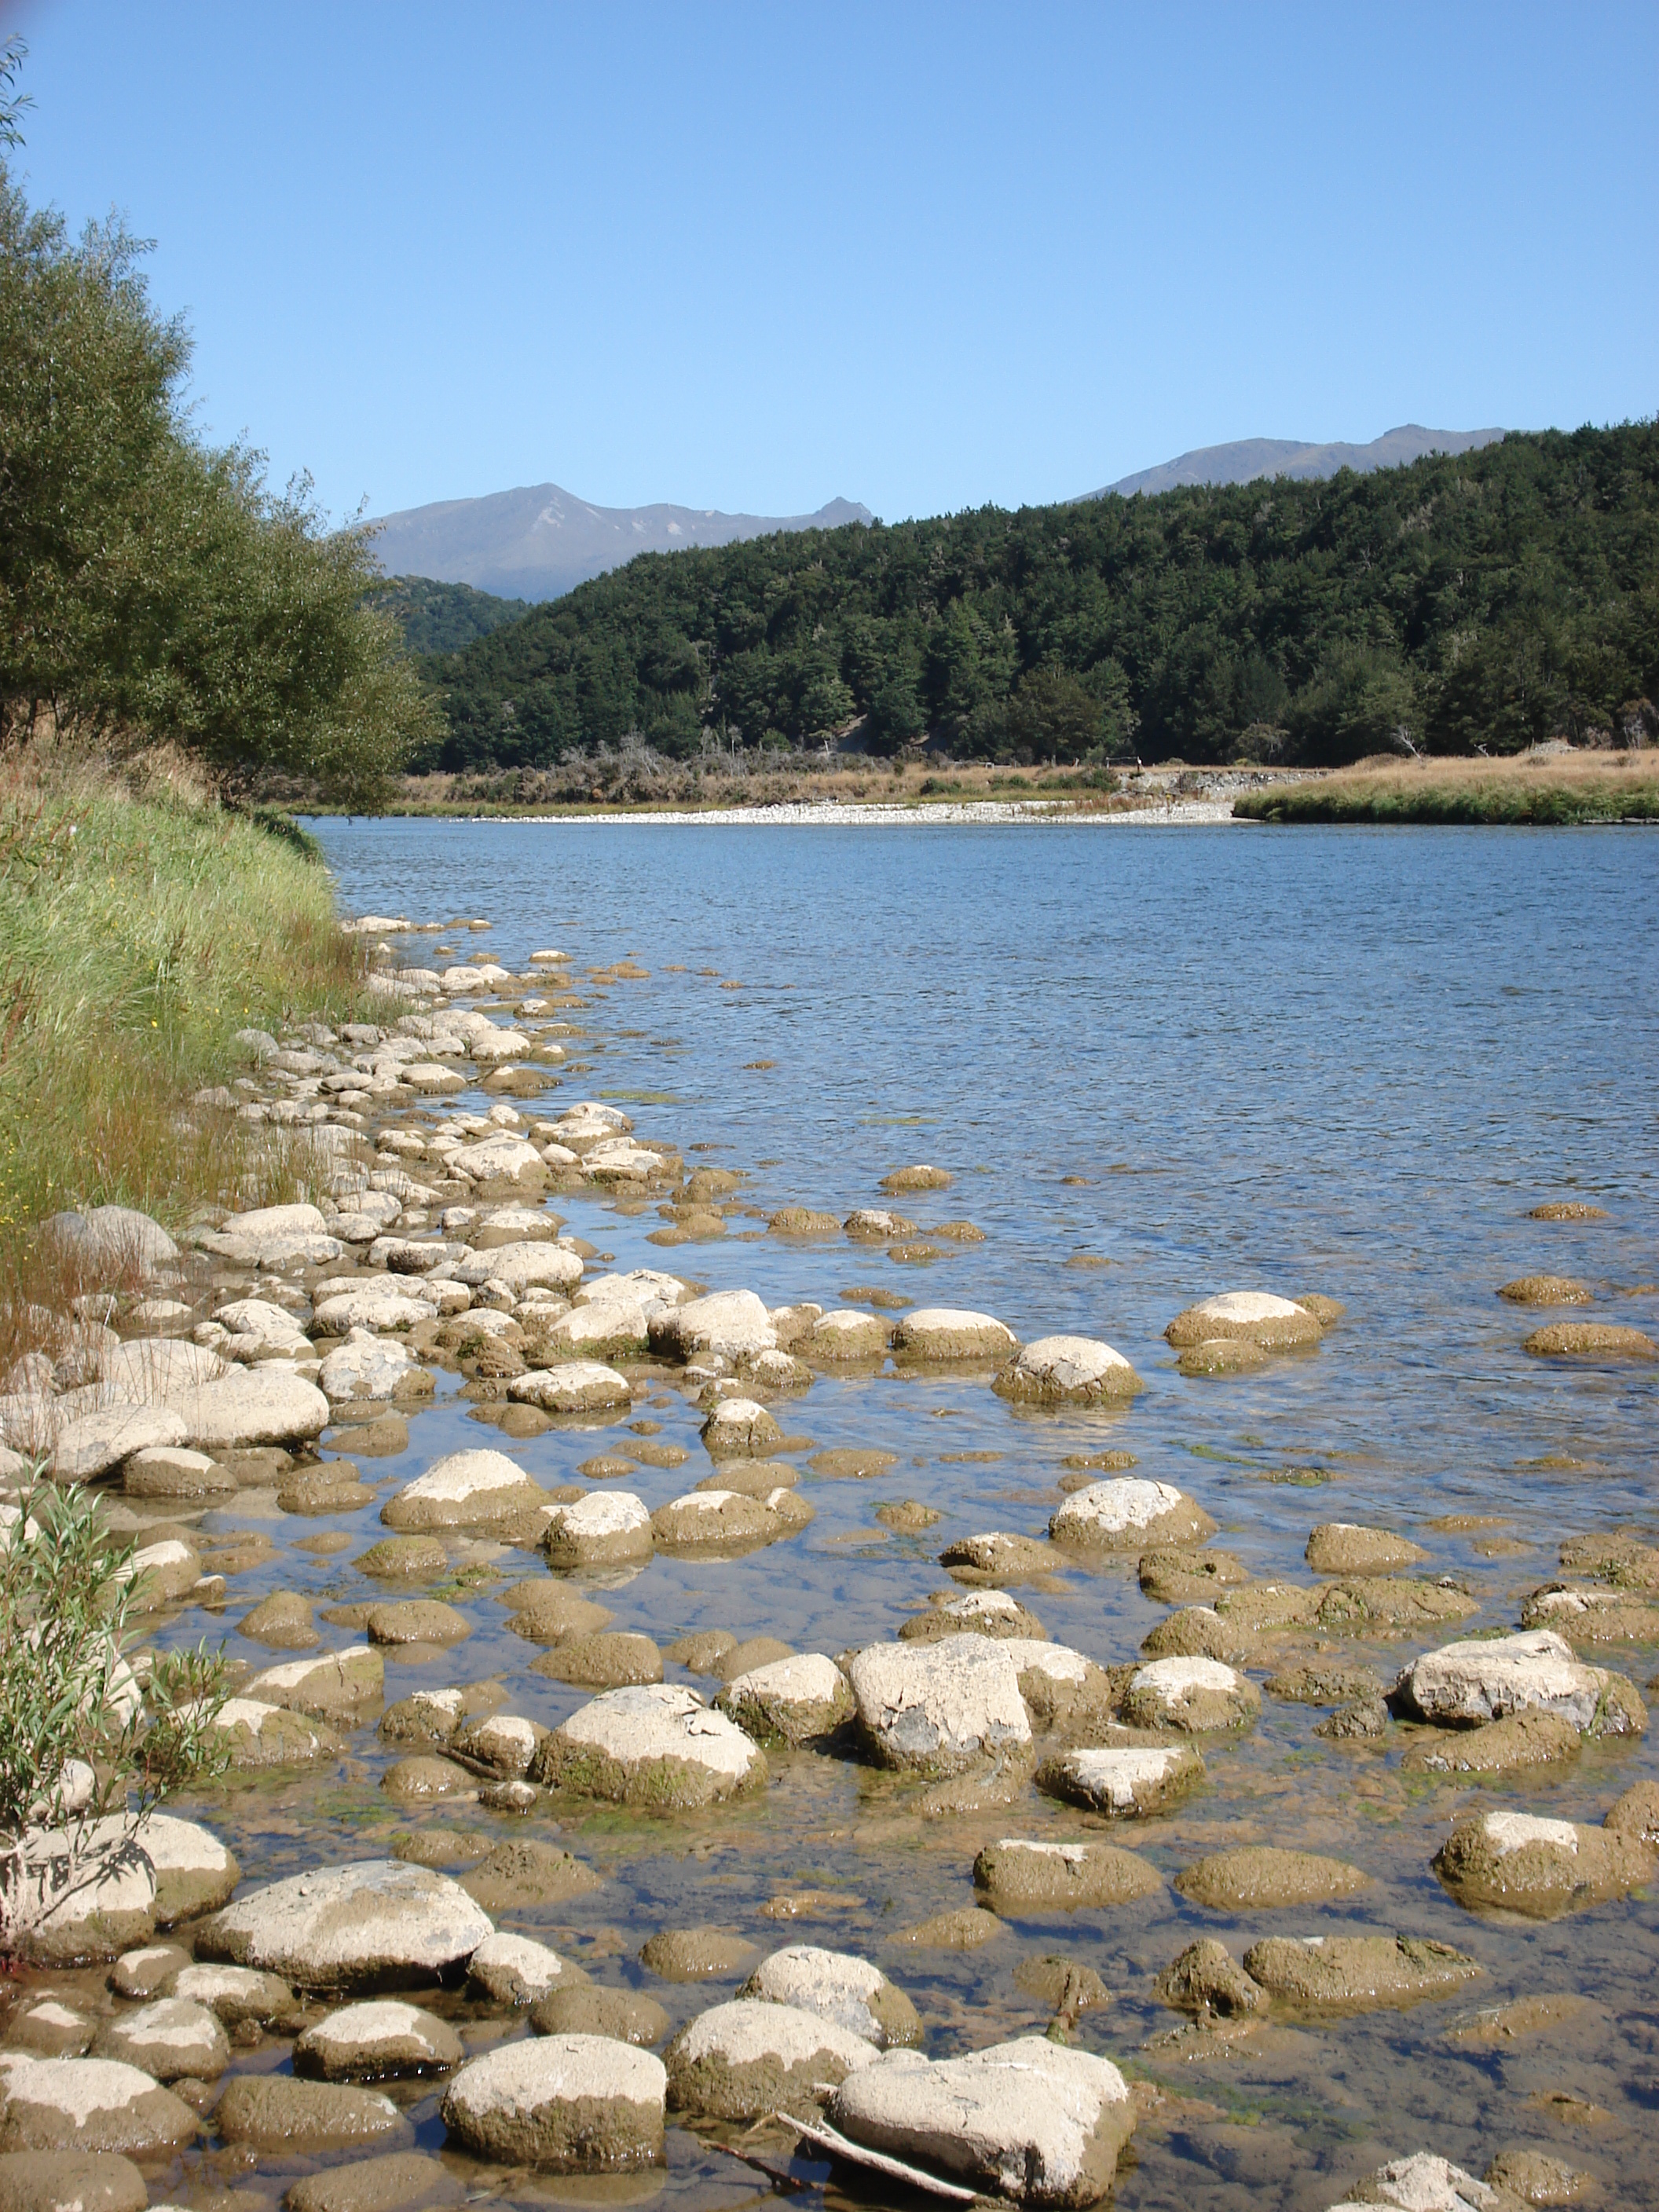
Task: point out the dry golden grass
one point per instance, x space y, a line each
1542 788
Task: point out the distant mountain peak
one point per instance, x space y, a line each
1250 457
540 540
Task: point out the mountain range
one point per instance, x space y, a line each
541 541
1291 456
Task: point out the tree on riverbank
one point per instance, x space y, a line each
151 588
1479 601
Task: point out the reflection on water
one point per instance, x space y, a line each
1156 1065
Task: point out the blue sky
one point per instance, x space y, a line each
922 256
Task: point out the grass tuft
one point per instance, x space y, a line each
1544 789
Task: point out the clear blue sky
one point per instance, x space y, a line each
923 256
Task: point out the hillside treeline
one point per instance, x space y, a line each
152 590
1485 601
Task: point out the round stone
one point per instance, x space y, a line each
949 1332
377 1923
378 2041
1275 1323
838 1987
657 1746
938 1709
568 2102
1198 1695
745 2059
1128 1514
1068 1370
168 2039
609 1527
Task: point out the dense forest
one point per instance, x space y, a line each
437 618
1483 602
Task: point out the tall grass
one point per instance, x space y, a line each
140 927
1544 788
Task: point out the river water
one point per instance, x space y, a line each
1157 1064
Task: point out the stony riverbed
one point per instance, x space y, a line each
662 1706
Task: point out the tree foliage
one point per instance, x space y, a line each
151 588
85 1753
1488 600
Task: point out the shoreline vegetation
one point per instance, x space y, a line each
1553 787
141 926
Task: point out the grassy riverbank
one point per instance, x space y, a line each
1548 790
141 927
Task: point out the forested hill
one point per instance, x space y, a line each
1490 598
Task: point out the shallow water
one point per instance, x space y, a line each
1335 1060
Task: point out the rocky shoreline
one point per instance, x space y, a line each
201 2026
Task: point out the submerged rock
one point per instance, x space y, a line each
274 2112
585 2008
1207 1979
751 2057
1256 1876
68 2181
937 1709
1505 1747
1019 1875
1356 1973
608 1660
1591 1340
1027 2119
1545 1290
1343 1547
399 2181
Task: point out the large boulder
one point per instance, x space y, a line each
732 1325
1518 1863
273 1236
464 1489
266 1405
381 2040
95 1443
1482 1678
112 1241
1126 1514
949 1332
1068 1370
656 1745
568 2102
553 1267
336 1686
791 1701
169 2038
194 1871
380 1923
1028 2119
1122 1782
607 1527
940 1708
65 2181
574 1386
838 1987
1198 1695
88 2104
275 2113
745 2059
